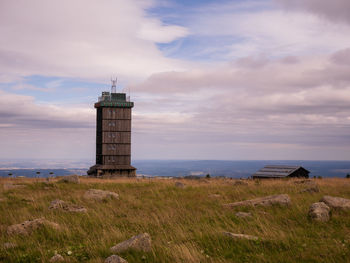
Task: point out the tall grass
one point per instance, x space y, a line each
186 225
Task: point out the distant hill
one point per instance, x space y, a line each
173 168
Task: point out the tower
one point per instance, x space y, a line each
113 135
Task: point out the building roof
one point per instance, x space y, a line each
118 100
277 171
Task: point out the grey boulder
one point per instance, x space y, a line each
115 259
99 195
57 258
27 227
319 212
336 202
141 242
65 206
282 199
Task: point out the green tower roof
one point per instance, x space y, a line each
118 100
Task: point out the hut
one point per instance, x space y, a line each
281 171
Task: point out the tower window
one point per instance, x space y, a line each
111 147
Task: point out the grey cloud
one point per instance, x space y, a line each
22 112
252 62
271 76
342 57
336 10
290 60
305 102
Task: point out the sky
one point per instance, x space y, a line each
218 80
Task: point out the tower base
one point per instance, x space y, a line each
111 171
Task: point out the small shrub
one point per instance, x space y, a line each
319 177
348 176
207 176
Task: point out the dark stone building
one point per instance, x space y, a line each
113 135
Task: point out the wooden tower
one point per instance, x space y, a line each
113 135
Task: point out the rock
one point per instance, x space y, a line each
115 259
57 258
56 204
27 227
9 245
240 182
282 199
96 194
243 214
311 187
70 179
60 204
179 185
240 236
141 242
336 202
10 186
319 212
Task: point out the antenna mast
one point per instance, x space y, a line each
114 85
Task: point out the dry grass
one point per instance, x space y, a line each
185 224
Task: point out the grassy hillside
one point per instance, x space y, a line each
186 224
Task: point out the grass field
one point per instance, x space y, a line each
186 225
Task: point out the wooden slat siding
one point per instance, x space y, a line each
116 125
119 149
99 136
116 137
120 160
116 113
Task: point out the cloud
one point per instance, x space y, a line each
254 107
301 103
154 31
335 10
342 57
83 39
277 90
23 112
277 35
